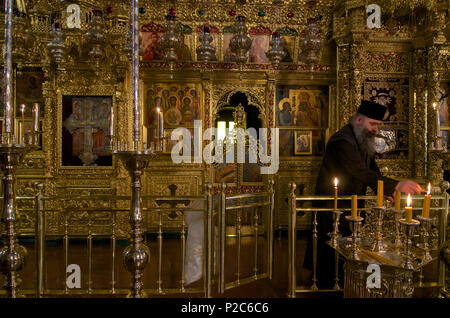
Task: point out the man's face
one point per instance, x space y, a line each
371 126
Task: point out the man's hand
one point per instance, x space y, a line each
409 187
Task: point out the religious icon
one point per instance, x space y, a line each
150 39
307 114
173 116
85 126
260 45
300 106
195 104
184 53
186 110
285 116
29 87
303 143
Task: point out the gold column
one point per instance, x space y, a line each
209 241
39 240
160 244
292 238
418 139
269 227
222 236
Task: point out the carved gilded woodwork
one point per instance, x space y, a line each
363 57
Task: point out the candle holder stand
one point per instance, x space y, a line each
135 256
408 227
425 236
378 245
398 237
335 234
355 227
12 255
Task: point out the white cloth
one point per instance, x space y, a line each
193 264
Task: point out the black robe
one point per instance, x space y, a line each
355 171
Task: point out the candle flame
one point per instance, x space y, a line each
429 188
22 107
158 110
434 105
408 201
335 182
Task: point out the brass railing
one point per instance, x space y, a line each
261 211
441 208
259 206
42 211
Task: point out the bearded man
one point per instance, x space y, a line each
349 156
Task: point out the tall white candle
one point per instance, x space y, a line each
22 129
161 124
158 123
35 117
438 121
111 122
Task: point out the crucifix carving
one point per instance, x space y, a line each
88 117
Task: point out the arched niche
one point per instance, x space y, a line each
239 174
253 108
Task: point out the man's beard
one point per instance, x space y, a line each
366 139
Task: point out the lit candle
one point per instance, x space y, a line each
427 203
438 122
380 193
408 210
35 117
161 124
111 122
398 196
22 131
354 206
335 193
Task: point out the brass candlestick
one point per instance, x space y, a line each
355 227
335 234
409 227
425 237
136 256
377 244
398 238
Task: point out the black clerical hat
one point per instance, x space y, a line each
373 110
